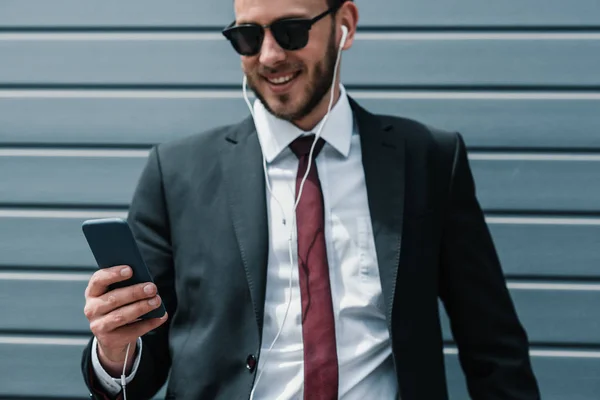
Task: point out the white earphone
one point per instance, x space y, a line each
344 36
299 195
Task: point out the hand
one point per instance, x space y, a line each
114 315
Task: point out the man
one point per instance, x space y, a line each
380 223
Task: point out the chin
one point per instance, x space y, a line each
289 104
284 106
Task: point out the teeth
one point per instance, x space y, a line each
283 79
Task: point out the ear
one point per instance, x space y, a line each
348 16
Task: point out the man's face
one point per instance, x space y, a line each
289 83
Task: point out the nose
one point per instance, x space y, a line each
271 53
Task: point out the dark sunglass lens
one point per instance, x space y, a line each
246 39
291 34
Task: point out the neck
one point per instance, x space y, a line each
309 122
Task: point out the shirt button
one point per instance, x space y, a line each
251 363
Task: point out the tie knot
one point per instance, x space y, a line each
301 146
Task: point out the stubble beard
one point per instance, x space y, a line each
313 93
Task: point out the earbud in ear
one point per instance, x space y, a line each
344 35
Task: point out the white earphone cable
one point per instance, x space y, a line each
123 378
298 197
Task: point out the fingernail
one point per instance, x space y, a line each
148 289
125 271
153 301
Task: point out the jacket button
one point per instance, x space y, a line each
251 363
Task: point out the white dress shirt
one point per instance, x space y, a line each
363 344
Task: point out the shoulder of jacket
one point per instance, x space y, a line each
200 143
417 133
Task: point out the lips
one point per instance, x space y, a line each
280 80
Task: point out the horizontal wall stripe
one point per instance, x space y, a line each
537 185
525 184
83 214
559 377
379 36
561 317
124 94
59 214
100 118
373 13
43 341
7 151
30 276
111 36
501 156
85 277
552 317
59 153
370 63
46 239
82 181
472 95
359 36
44 371
586 287
449 349
565 354
545 353
528 246
237 94
542 221
41 371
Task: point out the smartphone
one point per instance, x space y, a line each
112 243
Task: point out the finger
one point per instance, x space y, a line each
122 336
142 327
117 298
102 278
123 316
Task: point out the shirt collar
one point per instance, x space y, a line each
275 134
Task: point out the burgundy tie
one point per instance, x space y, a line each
318 328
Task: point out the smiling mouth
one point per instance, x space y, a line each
282 80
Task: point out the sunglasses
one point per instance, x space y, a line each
290 33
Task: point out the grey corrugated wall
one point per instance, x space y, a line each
87 87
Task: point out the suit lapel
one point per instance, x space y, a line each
384 166
244 180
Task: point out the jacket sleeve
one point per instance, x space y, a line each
492 344
148 219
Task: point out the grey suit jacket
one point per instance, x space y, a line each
199 216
